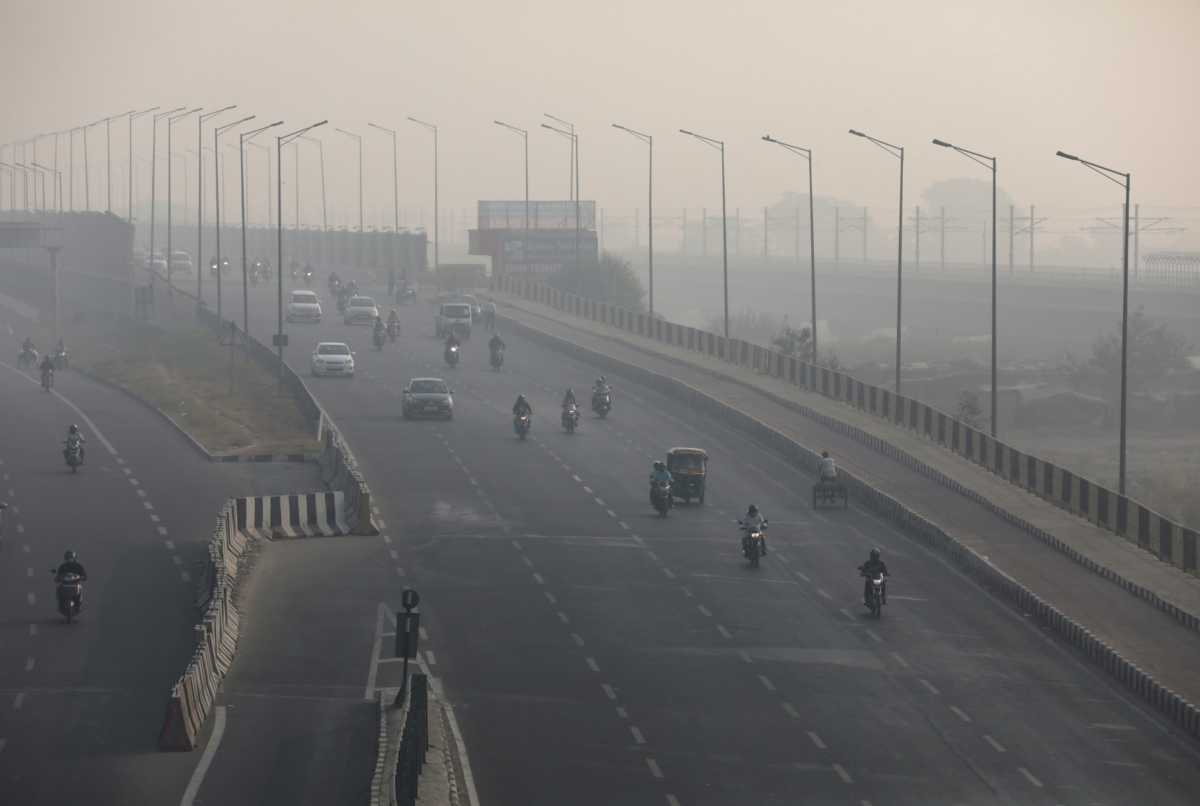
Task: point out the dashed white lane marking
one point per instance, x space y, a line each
1111 726
538 578
790 710
686 591
400 571
185 576
563 617
621 712
32 630
637 734
517 545
2 743
29 572
577 638
550 597
802 576
932 688
724 632
672 800
20 528
608 691
395 555
25 548
1030 777
132 480
744 655
623 525
900 660
170 544
847 613
599 501
652 556
999 748
140 492
147 505
654 768
960 713
766 681
704 610
387 539
154 518
821 592
668 573
29 663
817 740
177 560
591 662
587 489
31 598
874 636
162 530
577 478
611 514
841 773
18 700
782 558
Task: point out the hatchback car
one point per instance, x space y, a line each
332 358
361 310
427 397
304 306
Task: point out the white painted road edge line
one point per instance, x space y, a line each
214 741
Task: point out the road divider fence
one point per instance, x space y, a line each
1173 706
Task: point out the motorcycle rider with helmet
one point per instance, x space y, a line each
378 331
495 344
873 565
74 438
828 471
71 565
569 398
393 323
522 407
659 475
47 368
753 522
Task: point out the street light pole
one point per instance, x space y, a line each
132 117
649 141
243 138
524 137
395 208
359 140
812 238
573 161
170 124
217 202
720 146
153 174
989 163
436 240
200 201
1125 181
574 138
898 152
267 151
280 142
321 155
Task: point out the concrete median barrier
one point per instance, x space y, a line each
1174 707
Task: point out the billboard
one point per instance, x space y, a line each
543 215
537 251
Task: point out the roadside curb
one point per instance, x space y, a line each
1176 708
195 443
881 445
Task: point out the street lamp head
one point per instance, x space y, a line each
857 133
941 143
1066 156
769 138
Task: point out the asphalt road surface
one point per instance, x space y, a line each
596 654
81 705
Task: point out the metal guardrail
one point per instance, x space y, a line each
414 741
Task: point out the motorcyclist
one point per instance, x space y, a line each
873 565
71 565
47 365
452 340
569 398
522 407
828 471
394 320
378 330
308 270
75 438
495 344
753 522
27 345
659 475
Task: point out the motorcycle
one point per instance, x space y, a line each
602 403
876 593
497 359
753 542
660 497
308 277
451 356
61 359
379 337
521 424
69 595
73 454
406 295
393 330
27 359
570 418
48 378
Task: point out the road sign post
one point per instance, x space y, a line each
408 634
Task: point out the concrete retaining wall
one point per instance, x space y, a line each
1181 712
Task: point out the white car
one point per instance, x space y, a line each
181 262
304 306
157 263
332 358
361 310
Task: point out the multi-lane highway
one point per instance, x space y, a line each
597 654
81 705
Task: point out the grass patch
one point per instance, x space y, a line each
186 372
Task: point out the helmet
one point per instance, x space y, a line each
600 379
660 465
874 554
752 511
68 556
825 454
74 429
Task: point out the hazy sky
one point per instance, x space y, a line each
1113 80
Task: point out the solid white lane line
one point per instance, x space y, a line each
637 734
577 638
18 700
654 769
817 740
668 573
214 741
724 632
999 748
960 713
841 773
790 710
1030 777
608 691
900 660
704 610
932 688
29 663
591 662
31 598
766 682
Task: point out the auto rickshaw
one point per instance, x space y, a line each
688 467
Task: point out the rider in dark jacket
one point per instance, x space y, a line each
522 407
868 569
